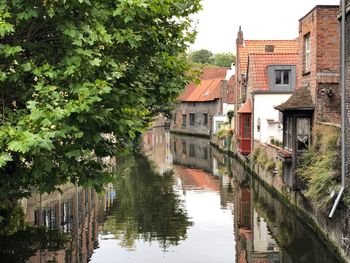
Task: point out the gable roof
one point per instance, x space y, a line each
258 68
258 47
208 89
300 100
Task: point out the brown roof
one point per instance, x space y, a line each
258 47
258 67
246 107
300 100
209 87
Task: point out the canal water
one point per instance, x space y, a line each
180 200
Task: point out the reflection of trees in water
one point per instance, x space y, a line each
298 242
146 207
19 240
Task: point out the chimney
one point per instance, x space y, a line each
239 40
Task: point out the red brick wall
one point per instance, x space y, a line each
323 26
328 40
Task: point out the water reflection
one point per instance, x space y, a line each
182 201
146 208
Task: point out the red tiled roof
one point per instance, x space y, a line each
258 67
246 107
231 90
258 47
208 89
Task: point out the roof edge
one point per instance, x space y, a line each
318 6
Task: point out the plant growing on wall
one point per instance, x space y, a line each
320 167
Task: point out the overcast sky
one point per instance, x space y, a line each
260 19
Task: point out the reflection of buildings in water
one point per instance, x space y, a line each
156 145
255 243
73 212
191 152
265 248
197 179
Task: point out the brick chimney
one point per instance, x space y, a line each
239 40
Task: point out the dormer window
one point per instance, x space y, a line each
282 78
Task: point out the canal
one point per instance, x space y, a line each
180 200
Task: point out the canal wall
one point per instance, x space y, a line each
334 232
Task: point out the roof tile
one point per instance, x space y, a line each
258 68
208 89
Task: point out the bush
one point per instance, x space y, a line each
320 167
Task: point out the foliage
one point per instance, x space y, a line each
201 56
206 57
224 132
260 157
223 59
73 71
270 165
276 142
279 167
320 166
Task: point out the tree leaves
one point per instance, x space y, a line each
73 70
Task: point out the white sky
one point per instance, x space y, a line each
260 19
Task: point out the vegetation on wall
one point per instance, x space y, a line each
260 157
320 167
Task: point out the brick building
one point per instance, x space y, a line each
319 60
317 99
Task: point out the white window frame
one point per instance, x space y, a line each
307 54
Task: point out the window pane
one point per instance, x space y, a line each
205 119
246 131
303 133
192 151
192 118
286 77
278 77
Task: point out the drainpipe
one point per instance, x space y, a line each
343 109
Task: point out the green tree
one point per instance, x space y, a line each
73 71
202 56
223 59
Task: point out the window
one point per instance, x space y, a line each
282 77
175 117
184 151
303 133
246 127
307 48
175 147
205 153
258 125
192 151
183 120
288 133
192 118
205 119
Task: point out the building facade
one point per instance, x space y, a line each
200 103
317 100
